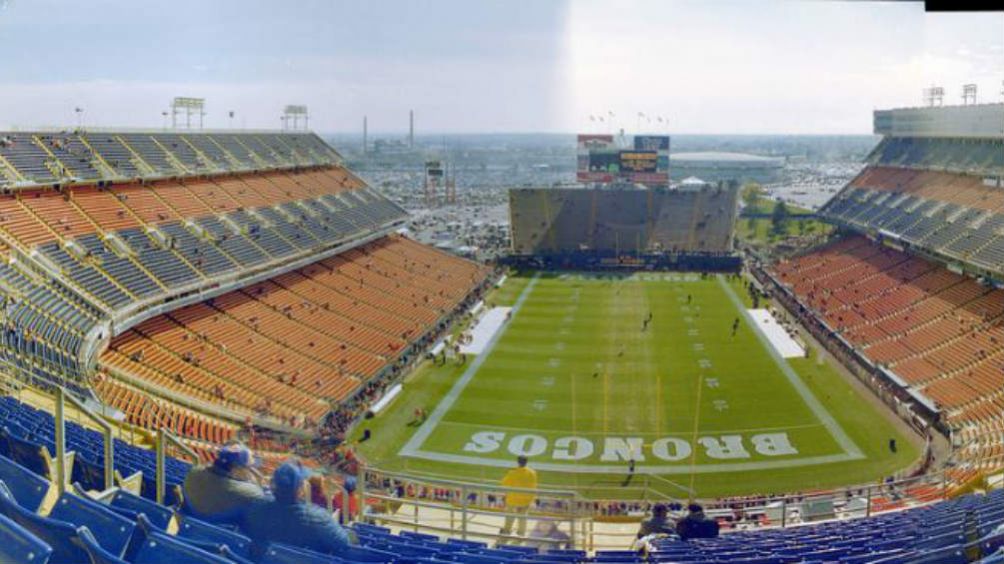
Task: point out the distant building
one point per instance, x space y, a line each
715 166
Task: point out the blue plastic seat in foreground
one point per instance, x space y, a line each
56 534
29 488
17 544
282 554
159 548
200 531
112 530
89 544
127 503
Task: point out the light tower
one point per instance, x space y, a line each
968 94
291 116
189 107
934 96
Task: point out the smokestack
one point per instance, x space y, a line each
364 135
411 129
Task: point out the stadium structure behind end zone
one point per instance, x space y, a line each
625 226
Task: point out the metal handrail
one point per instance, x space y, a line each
61 397
165 436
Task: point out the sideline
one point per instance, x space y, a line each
810 400
411 448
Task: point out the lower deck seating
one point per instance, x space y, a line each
293 346
940 332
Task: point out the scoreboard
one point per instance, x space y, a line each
601 160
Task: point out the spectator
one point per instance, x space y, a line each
290 519
659 523
695 525
318 493
547 536
338 501
518 502
222 491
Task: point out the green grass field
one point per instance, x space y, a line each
577 383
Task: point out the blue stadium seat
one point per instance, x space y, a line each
17 544
56 534
199 531
86 541
29 488
130 504
158 548
110 529
281 554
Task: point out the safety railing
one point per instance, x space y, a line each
62 397
473 511
165 438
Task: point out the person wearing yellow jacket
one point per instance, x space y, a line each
518 502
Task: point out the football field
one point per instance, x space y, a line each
594 372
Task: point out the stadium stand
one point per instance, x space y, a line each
294 345
566 220
939 333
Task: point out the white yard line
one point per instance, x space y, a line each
796 382
416 440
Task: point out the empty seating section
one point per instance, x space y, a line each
151 239
292 346
143 411
940 332
953 214
29 160
958 155
86 251
52 157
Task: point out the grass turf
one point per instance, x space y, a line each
575 361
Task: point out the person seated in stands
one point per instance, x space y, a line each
222 491
291 519
547 536
696 525
658 524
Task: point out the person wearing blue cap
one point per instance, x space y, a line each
291 519
222 491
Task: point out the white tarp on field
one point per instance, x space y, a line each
776 334
486 327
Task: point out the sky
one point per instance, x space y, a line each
480 66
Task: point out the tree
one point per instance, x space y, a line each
751 195
779 219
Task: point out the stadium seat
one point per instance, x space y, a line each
56 534
29 488
86 541
192 529
281 554
110 529
158 548
17 544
